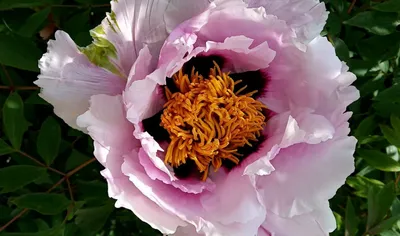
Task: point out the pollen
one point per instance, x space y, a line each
208 120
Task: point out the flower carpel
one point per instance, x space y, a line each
208 121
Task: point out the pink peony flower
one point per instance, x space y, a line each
223 117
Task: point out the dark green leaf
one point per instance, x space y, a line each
34 23
342 51
17 176
396 207
379 202
75 159
92 191
41 224
14 52
365 128
379 48
395 122
389 95
388 6
386 109
56 231
391 135
375 22
9 4
14 121
384 225
379 160
5 148
93 219
49 139
351 219
44 203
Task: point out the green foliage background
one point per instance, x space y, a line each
50 183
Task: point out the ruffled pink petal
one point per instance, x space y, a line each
318 222
113 137
143 98
293 189
311 80
239 55
282 131
186 185
306 17
244 210
68 79
142 23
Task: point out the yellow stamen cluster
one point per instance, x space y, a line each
208 120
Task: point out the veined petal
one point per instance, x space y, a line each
68 79
306 17
136 23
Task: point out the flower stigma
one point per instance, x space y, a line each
208 119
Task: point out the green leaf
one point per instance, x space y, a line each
342 51
375 22
49 139
17 176
41 224
55 231
34 23
92 191
351 219
389 95
14 50
362 184
379 202
388 6
386 109
5 148
93 219
384 225
44 203
391 135
365 128
75 159
379 160
14 121
395 122
379 48
9 4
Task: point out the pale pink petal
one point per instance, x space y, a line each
297 83
106 123
142 23
283 131
143 97
113 137
306 17
306 175
155 172
317 223
239 55
201 209
68 79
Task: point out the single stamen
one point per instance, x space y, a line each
208 121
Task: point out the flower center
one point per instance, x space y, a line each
207 120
